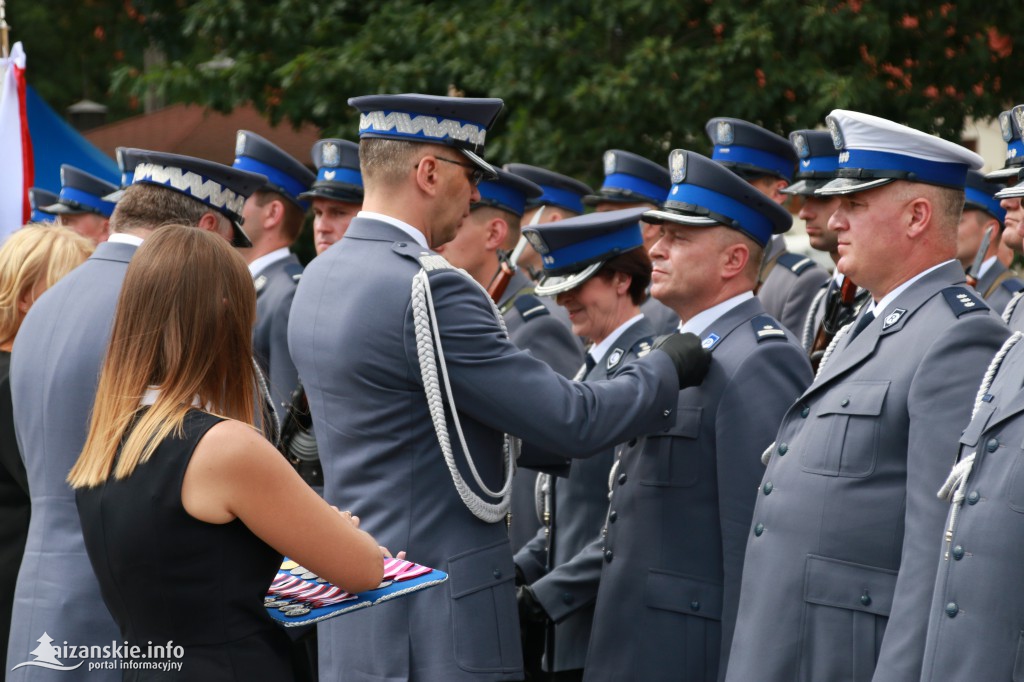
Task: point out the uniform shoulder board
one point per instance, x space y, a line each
962 300
433 261
1013 285
765 328
796 263
530 306
294 271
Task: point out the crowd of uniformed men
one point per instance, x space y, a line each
747 519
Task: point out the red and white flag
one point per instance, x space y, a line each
15 144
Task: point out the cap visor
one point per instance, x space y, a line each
333 194
239 239
488 169
1010 192
1003 173
804 188
551 285
850 186
114 197
656 217
55 209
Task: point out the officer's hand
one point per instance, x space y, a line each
532 619
691 360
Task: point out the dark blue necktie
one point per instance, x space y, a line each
864 321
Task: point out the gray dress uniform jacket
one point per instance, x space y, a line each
1013 313
998 285
55 367
581 503
534 325
681 505
976 622
353 319
790 287
275 289
841 556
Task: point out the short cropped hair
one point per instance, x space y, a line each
387 162
294 217
146 206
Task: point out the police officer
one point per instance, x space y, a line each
1010 201
529 318
602 279
666 605
1013 232
982 213
54 369
337 193
410 376
274 216
818 163
841 557
82 204
788 281
631 181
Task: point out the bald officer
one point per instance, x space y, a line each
411 378
788 281
841 553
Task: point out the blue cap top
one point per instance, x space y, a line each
509 192
875 151
1010 124
81 192
284 173
706 193
338 177
819 161
222 188
749 149
574 249
37 196
558 190
630 178
980 195
459 122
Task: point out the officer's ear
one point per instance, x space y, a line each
918 213
497 232
428 174
735 257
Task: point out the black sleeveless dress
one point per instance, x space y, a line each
169 577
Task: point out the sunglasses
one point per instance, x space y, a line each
474 176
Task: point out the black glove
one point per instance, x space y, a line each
532 624
691 360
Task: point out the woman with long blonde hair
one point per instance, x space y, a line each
186 509
32 259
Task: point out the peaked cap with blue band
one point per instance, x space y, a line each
707 193
749 149
630 178
81 192
285 174
557 189
875 151
37 196
574 250
338 177
222 188
818 161
980 196
458 122
509 192
1010 125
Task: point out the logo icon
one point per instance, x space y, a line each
330 154
46 656
240 144
803 150
837 134
1006 126
724 133
609 163
677 164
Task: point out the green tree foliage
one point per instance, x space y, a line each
580 77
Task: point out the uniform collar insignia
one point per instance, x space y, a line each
709 341
259 283
614 358
892 318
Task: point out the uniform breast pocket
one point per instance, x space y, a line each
843 438
669 458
